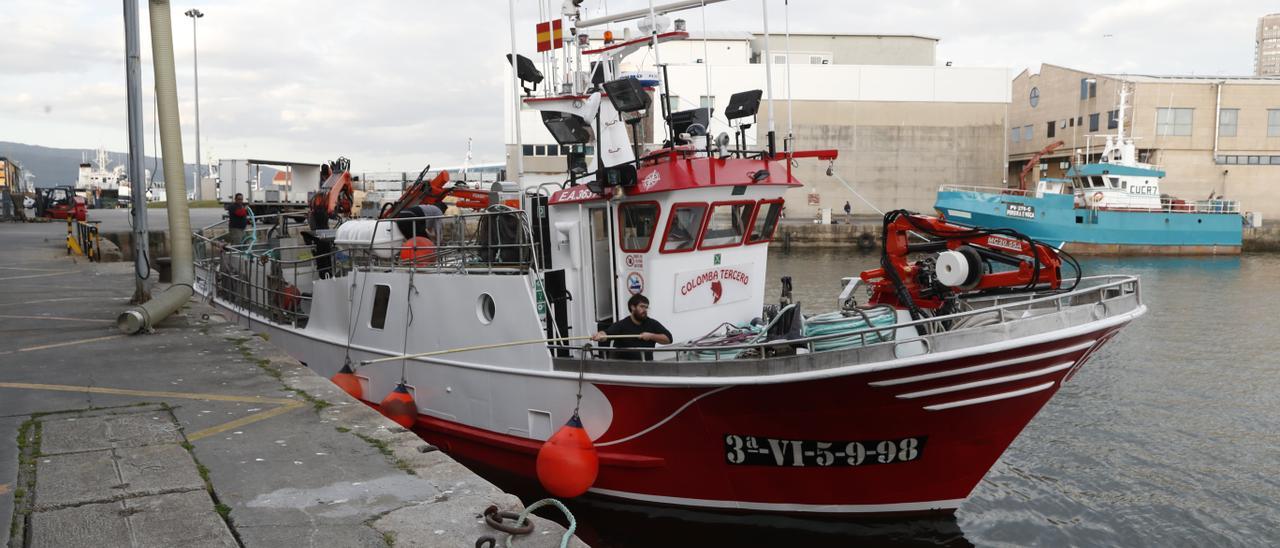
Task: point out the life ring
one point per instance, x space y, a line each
1097 196
866 242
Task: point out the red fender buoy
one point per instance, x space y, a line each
399 406
418 250
347 380
567 463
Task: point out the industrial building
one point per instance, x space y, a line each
1266 55
903 124
1212 135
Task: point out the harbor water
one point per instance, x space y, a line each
1169 436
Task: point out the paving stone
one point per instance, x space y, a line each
90 526
181 519
275 536
73 434
139 429
155 468
76 478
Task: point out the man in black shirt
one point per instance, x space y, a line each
237 220
638 323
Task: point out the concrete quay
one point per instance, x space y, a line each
199 434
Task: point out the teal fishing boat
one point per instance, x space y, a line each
1113 205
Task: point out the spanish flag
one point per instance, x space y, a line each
549 35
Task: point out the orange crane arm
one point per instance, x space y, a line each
1022 177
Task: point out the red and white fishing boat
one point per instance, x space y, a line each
897 401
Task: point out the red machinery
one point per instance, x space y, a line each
336 194
1022 175
434 192
962 262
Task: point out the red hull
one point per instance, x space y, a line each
944 432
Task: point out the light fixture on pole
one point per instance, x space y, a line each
196 14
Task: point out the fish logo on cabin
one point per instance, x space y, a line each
651 180
716 291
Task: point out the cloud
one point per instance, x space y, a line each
395 85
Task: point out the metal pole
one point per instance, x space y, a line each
195 14
515 90
137 154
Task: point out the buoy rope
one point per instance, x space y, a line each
408 320
582 373
490 346
351 314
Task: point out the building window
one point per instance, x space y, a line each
1273 123
1049 129
779 59
1093 122
1071 122
528 150
707 101
1113 119
1015 133
539 150
1088 88
553 150
673 103
1177 121
1227 119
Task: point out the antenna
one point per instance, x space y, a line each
786 18
768 72
515 104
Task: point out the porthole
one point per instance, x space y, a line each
485 308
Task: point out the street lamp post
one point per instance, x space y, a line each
195 14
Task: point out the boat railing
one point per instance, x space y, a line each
1099 291
496 241
275 281
271 281
986 190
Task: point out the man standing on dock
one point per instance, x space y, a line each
237 220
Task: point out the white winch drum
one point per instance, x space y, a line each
954 269
382 236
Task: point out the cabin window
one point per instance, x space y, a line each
1096 181
765 221
683 227
727 225
639 223
1115 182
378 317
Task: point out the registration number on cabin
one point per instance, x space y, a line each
762 451
1022 211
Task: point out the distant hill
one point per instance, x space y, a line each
60 166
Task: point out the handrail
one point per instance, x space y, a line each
1119 281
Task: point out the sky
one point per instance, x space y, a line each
395 85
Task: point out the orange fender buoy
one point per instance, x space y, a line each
419 250
347 380
567 463
290 297
400 407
